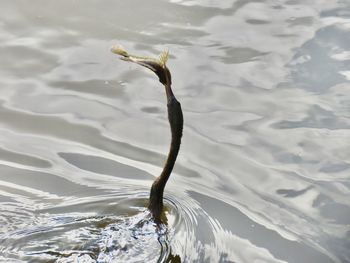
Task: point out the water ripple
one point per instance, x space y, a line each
262 174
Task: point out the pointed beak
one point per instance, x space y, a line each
156 65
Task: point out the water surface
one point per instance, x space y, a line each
263 172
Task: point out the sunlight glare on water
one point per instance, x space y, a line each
263 170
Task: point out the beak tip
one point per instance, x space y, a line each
119 50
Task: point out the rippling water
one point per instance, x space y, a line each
263 172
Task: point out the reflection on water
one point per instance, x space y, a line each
263 172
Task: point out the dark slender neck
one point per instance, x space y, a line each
176 125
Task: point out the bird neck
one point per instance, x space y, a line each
176 125
175 118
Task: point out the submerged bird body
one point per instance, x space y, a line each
175 118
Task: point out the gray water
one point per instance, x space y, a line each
263 172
